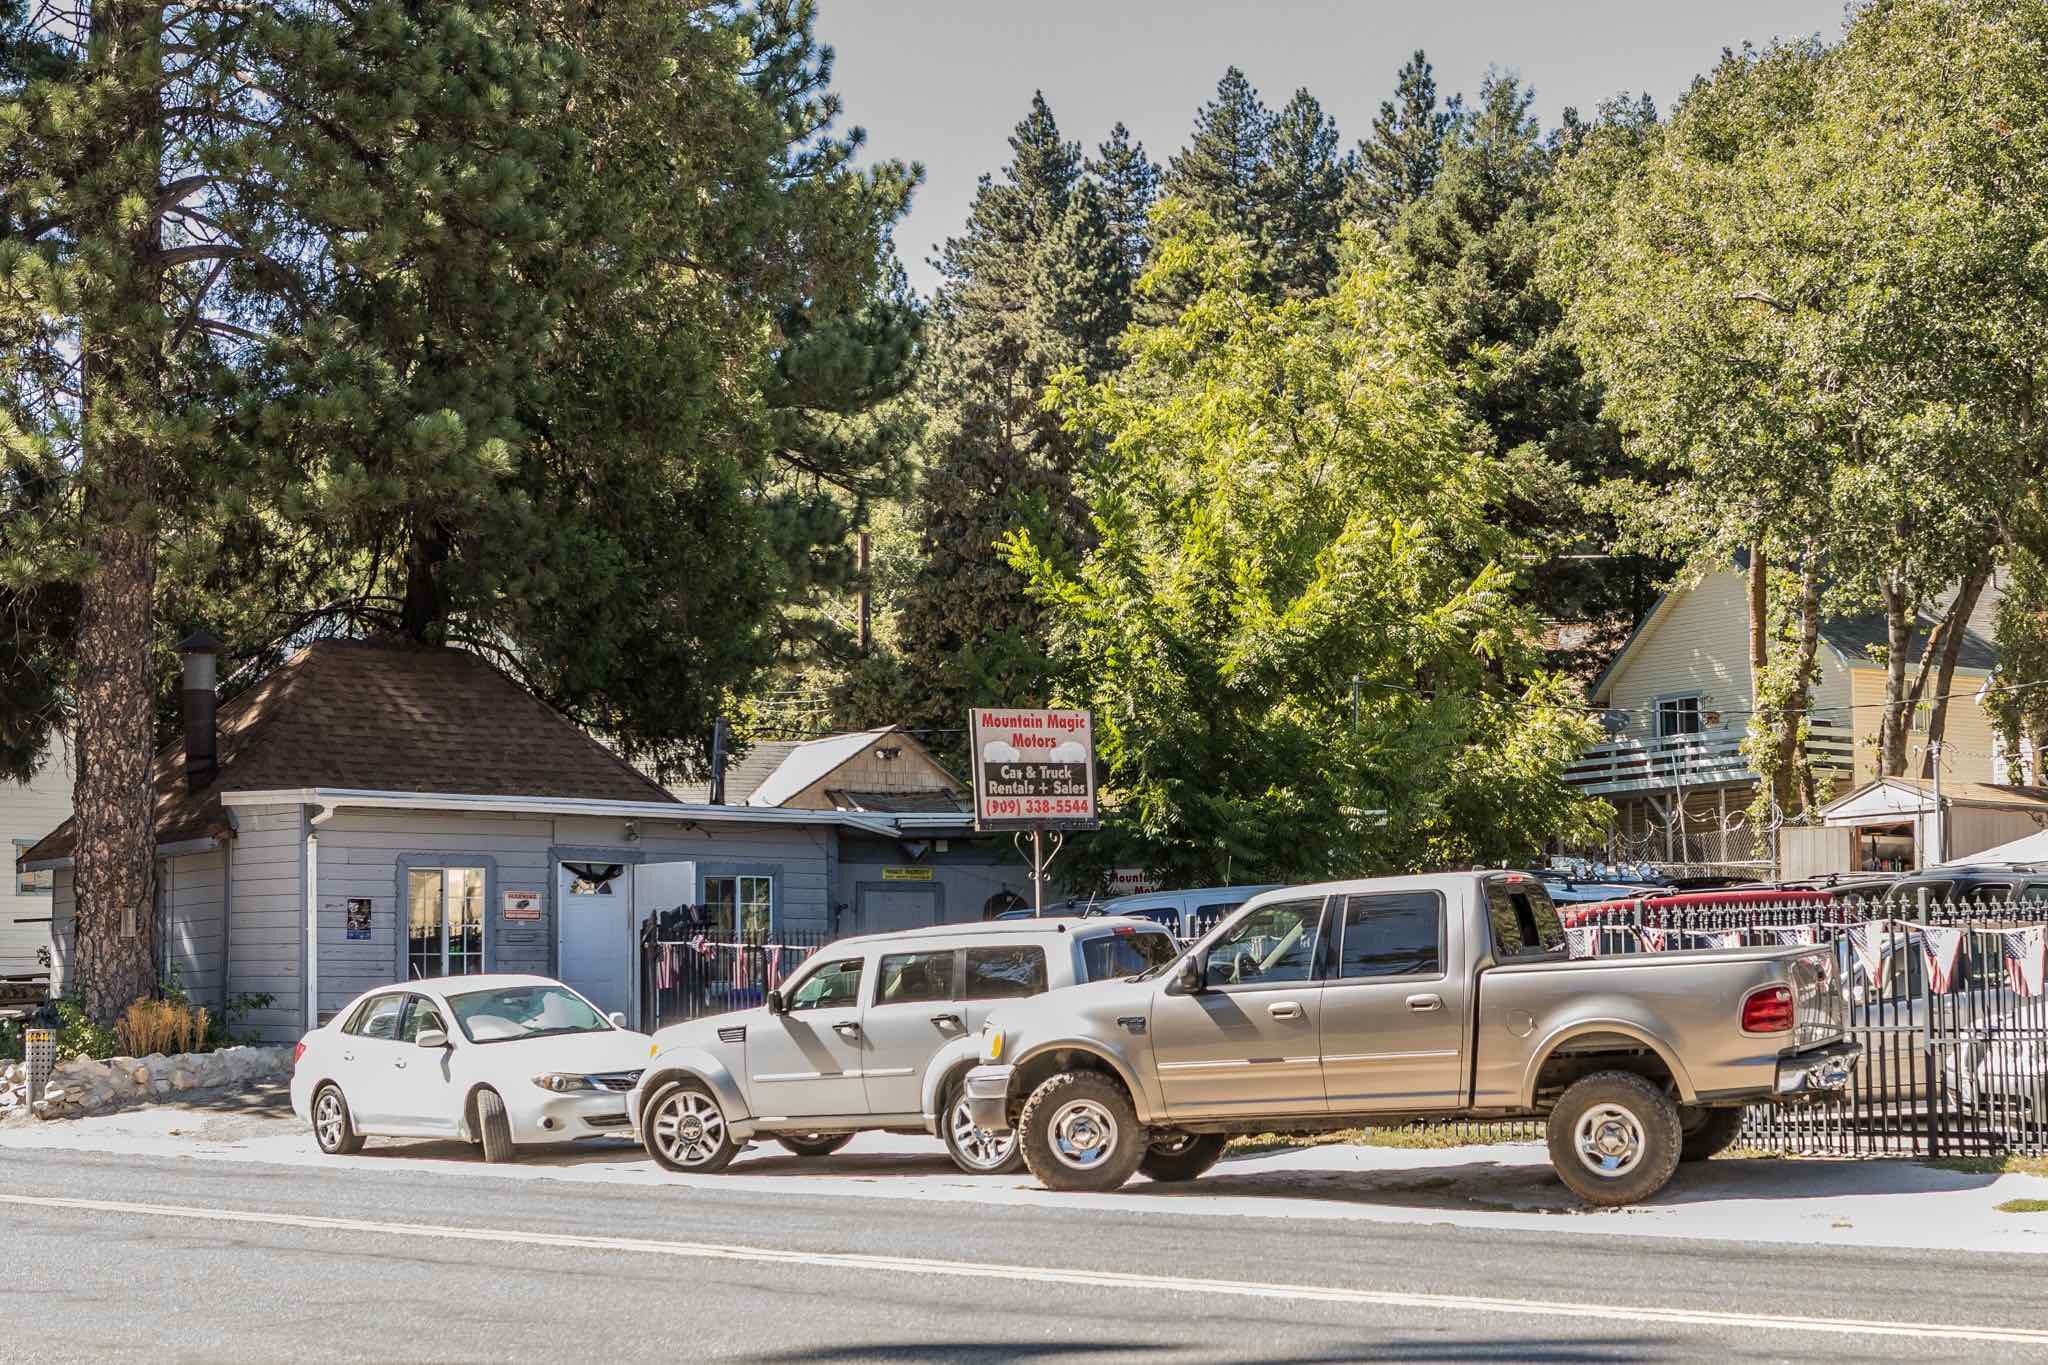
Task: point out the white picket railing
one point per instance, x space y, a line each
1711 757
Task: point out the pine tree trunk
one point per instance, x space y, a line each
1794 777
1956 625
1898 708
113 797
424 612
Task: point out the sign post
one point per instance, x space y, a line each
1034 771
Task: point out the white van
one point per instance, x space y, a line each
1184 913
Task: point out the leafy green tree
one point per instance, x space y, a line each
1300 193
1296 627
1399 163
1036 284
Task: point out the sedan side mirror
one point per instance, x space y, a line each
432 1037
1194 974
618 1018
775 1004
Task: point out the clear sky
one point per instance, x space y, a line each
944 81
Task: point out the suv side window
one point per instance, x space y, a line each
1274 943
378 1018
905 977
832 986
1005 973
1392 933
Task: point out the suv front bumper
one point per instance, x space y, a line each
987 1089
1820 1074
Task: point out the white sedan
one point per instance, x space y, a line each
492 1059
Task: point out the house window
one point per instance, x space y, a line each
1678 716
592 879
739 902
445 922
31 883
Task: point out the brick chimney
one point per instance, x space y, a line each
199 700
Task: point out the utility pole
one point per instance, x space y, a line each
866 603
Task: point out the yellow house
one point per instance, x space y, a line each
1676 702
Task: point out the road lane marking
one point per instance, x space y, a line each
1051 1275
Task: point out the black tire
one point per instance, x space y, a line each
683 1128
493 1127
335 1130
1079 1132
1630 1133
1181 1156
1707 1133
973 1150
814 1144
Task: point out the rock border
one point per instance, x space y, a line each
81 1085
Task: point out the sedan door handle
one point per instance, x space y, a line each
400 1064
1423 1004
847 1030
947 1020
1284 1009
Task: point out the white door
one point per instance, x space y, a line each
881 912
597 950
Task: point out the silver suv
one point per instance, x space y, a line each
871 1032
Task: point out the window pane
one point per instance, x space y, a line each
832 986
1114 955
380 1020
1275 942
1392 934
422 1015
756 899
915 976
31 883
721 903
423 923
1004 973
465 921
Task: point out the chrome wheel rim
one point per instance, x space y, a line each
1083 1134
688 1128
978 1147
329 1120
1609 1140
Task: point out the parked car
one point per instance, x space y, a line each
1183 913
1404 998
871 1032
496 1060
1973 884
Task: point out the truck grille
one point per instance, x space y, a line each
618 1080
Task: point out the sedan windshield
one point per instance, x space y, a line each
1126 953
513 1012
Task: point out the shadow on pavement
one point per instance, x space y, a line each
1560 1350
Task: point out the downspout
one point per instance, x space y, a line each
316 816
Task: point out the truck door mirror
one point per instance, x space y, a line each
1194 974
774 1002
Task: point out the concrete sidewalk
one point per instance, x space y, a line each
1810 1202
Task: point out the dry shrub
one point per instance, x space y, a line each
160 1026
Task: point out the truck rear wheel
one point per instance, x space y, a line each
1614 1138
1079 1131
1707 1132
1181 1156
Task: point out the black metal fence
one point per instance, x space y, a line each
1946 1000
704 971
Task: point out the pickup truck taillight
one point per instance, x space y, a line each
1768 1010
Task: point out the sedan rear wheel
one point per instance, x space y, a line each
333 1129
685 1130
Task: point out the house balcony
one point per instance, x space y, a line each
1712 757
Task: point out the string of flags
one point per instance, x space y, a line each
668 964
1876 943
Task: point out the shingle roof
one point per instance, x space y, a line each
376 716
1864 639
898 803
806 763
744 776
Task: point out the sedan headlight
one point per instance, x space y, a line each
991 1045
562 1080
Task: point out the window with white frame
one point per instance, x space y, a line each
1678 716
740 903
31 883
444 922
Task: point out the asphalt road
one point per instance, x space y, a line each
117 1257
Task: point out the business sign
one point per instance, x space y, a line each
906 874
522 902
1132 881
1033 769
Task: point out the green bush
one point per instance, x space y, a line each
78 1036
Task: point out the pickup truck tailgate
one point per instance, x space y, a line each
1820 1008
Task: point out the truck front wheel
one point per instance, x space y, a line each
1080 1132
1614 1138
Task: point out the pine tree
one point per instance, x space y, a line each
1128 181
1036 283
1219 170
1399 163
1300 191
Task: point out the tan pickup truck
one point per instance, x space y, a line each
1402 998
